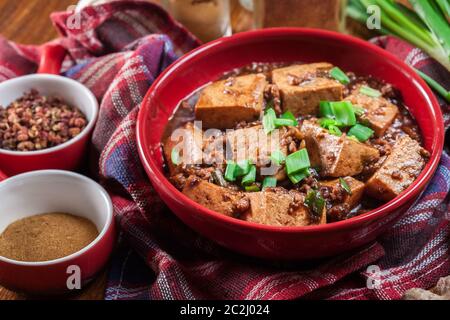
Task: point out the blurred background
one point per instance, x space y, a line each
26 21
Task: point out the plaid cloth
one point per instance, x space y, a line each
118 51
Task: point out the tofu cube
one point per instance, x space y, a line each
254 144
357 190
398 171
380 113
302 87
336 156
223 104
222 200
186 138
273 207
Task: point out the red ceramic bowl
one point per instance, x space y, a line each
210 61
39 192
69 155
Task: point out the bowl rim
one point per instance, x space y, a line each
407 196
109 218
86 131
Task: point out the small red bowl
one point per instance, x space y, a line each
48 191
69 155
210 61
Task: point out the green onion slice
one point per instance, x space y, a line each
368 91
327 122
325 109
359 111
334 130
252 188
344 112
231 171
299 176
360 132
283 123
290 116
297 162
242 168
315 202
250 178
269 121
278 157
339 75
175 157
345 186
269 182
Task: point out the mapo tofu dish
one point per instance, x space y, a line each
293 145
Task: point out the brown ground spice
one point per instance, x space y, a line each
46 237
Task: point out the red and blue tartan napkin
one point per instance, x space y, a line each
118 51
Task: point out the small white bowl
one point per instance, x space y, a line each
50 191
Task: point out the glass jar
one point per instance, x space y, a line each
207 19
323 14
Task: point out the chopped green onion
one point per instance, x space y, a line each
218 178
362 133
230 171
327 122
242 168
344 112
278 157
339 75
315 202
370 92
359 111
283 123
175 157
252 188
325 109
345 186
297 161
268 121
290 116
250 178
334 130
269 182
299 176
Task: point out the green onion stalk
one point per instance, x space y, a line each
426 25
